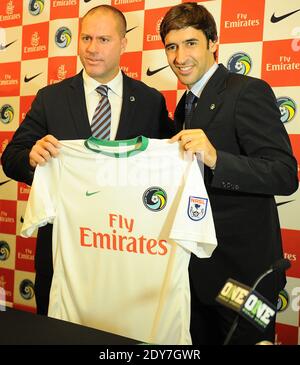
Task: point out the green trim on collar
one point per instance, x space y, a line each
139 144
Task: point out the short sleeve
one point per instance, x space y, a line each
193 227
42 203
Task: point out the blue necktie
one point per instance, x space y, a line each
102 117
190 105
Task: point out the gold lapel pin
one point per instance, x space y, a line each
132 98
212 106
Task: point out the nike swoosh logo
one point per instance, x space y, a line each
276 19
27 79
91 193
282 203
129 30
6 45
153 72
4 182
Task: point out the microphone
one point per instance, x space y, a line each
280 265
245 293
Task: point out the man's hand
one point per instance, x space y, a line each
43 150
196 141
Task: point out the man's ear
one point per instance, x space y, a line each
213 45
123 45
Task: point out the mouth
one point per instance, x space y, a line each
184 70
92 61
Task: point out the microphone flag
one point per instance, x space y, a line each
247 302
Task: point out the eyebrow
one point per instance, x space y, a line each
191 40
185 41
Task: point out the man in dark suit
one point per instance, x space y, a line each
65 111
234 126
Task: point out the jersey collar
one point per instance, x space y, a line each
117 149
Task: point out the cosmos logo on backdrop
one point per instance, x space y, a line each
283 301
35 7
240 63
4 250
287 107
6 113
63 37
26 289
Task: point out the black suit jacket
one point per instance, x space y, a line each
60 110
241 119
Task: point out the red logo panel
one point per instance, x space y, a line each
153 19
60 68
171 98
64 9
24 308
23 191
242 21
131 64
280 63
10 13
5 137
10 79
35 41
8 211
286 335
7 283
25 104
291 244
131 6
294 138
25 251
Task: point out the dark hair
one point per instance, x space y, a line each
189 15
117 12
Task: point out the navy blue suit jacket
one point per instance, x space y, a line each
241 119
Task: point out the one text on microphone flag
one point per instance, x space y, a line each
247 302
233 294
258 310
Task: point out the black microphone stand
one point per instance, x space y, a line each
282 264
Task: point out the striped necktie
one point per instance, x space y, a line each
101 121
190 105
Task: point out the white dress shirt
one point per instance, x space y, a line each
115 97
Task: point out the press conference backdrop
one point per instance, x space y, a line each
38 46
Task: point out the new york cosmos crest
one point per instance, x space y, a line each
155 198
197 208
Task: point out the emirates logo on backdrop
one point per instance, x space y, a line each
10 8
11 13
35 39
61 72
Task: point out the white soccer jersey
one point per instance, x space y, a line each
126 215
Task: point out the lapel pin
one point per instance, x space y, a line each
212 106
132 98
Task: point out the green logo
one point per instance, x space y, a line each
91 193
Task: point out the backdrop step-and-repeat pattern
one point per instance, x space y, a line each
38 46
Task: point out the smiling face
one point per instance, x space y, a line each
101 44
188 54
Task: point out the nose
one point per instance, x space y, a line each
92 47
180 56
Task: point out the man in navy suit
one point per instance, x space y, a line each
234 125
65 111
